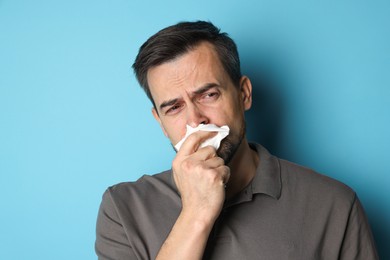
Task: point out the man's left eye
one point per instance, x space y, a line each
211 95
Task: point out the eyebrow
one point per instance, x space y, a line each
205 88
199 91
168 103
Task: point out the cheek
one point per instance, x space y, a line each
175 129
234 117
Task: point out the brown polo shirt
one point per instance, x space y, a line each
286 212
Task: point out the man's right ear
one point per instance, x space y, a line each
157 117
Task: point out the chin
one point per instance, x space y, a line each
228 149
230 144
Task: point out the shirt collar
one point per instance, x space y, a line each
267 179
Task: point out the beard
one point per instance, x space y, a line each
230 144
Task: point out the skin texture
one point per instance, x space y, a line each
192 89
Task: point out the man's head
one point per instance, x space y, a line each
190 84
175 40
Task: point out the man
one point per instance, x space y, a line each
237 202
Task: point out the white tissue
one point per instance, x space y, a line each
215 141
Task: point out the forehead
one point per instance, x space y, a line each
191 70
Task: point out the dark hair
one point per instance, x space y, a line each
177 40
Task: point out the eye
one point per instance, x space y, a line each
173 109
210 96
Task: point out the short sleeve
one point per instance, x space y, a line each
111 240
358 241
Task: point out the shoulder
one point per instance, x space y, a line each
134 212
143 188
151 195
304 181
297 180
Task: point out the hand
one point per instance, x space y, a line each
200 176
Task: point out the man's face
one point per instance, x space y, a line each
193 89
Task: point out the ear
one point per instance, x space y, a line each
157 117
246 92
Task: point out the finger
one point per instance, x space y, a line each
214 162
224 173
193 142
204 153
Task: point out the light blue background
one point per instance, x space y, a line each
74 121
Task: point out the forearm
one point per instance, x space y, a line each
187 239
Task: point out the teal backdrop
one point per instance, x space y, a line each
74 121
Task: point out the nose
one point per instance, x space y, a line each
195 116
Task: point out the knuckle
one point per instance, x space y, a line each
176 162
192 165
186 164
211 174
211 150
216 173
220 161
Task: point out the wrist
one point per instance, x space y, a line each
197 223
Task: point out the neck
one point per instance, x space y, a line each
242 169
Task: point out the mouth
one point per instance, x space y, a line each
215 141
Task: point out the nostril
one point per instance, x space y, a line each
195 116
193 125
